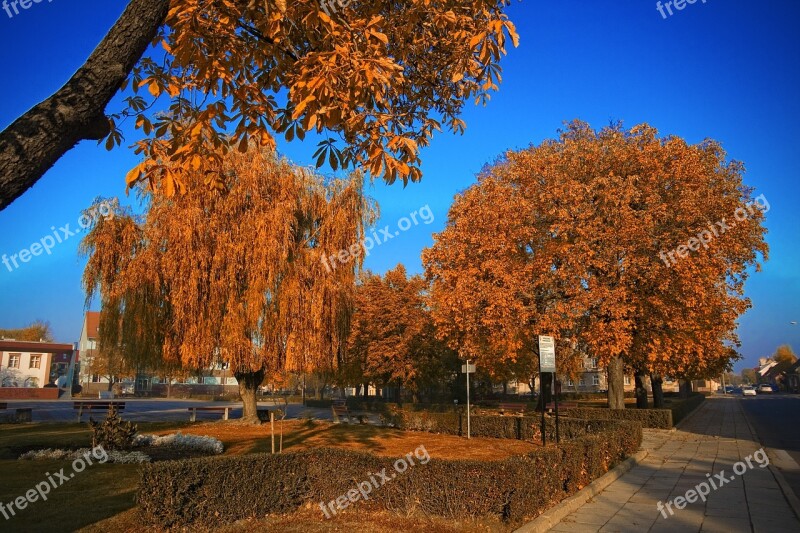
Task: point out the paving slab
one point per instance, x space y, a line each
707 453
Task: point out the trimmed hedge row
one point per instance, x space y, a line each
682 410
225 489
649 418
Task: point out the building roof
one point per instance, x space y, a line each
92 324
35 347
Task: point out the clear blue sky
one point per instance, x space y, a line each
726 69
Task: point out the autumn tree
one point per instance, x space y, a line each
36 331
392 335
569 238
377 79
784 354
234 274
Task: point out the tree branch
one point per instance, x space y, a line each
36 140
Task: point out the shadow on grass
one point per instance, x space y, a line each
100 491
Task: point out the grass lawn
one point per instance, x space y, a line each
103 494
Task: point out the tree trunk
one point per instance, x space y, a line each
248 386
616 383
685 387
76 112
656 380
641 390
366 391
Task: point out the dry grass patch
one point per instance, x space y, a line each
299 435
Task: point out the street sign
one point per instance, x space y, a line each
468 368
547 354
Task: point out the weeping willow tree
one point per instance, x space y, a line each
233 274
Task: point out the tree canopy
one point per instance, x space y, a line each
375 79
567 238
232 275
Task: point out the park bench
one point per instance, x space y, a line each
515 408
340 412
562 406
224 410
96 406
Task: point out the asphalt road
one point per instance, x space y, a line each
775 418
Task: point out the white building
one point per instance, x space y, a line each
33 364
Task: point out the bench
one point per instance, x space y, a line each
340 412
224 410
516 408
562 406
3 406
101 406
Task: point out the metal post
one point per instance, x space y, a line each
468 421
556 389
542 403
723 383
272 424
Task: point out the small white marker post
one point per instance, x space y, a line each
467 369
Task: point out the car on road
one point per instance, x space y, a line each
748 391
765 388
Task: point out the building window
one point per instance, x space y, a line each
36 361
569 383
627 380
13 360
595 379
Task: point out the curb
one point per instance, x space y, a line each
788 494
554 515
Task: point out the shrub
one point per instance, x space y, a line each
682 410
318 403
649 418
226 489
113 433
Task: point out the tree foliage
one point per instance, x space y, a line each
234 274
38 330
565 238
392 340
377 79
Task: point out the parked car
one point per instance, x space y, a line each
765 388
748 391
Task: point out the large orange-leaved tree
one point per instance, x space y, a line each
234 274
595 238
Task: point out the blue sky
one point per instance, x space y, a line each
728 70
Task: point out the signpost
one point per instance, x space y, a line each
547 364
468 369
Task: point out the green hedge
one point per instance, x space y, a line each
649 418
318 403
221 490
682 410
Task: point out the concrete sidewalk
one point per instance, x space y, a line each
712 440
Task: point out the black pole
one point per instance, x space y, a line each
557 388
542 403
